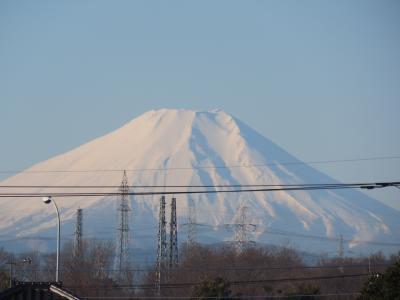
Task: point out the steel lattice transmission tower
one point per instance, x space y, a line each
242 227
173 236
162 245
78 233
192 223
124 209
341 247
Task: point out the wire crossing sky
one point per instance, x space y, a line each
319 78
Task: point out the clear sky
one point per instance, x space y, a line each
319 78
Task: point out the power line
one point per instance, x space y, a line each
272 189
272 231
204 186
287 187
206 167
369 185
291 234
294 234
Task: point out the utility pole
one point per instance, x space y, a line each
123 226
78 233
161 245
173 236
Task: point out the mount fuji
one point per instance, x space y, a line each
186 148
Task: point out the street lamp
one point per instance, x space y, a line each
48 200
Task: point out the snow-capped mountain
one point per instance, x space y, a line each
186 147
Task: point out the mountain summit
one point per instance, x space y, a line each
205 148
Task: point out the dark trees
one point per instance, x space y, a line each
385 286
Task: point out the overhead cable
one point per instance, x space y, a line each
206 167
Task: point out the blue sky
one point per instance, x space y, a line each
319 78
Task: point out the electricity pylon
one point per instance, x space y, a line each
123 238
192 223
241 228
161 245
173 236
78 233
341 247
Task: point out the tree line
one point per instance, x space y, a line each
217 271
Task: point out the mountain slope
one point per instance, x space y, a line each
184 147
